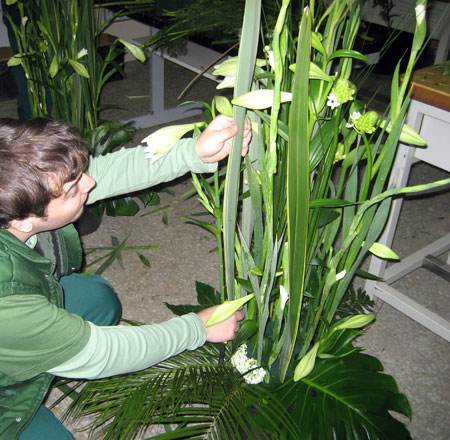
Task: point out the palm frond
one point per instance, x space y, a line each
208 399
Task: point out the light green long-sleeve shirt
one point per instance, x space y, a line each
127 170
59 345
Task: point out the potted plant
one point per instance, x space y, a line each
311 199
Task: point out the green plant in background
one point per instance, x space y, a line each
294 222
58 44
386 11
58 49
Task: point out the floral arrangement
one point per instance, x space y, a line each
294 222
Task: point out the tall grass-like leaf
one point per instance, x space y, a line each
246 62
298 193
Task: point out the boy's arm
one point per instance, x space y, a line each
124 349
37 336
127 170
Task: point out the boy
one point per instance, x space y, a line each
53 321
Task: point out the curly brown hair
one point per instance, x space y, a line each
37 158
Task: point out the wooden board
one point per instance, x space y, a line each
431 87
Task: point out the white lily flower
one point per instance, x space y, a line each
24 20
83 52
162 141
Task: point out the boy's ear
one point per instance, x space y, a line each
24 225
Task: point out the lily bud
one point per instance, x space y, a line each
259 99
136 51
408 135
227 83
383 251
315 72
223 105
356 321
162 141
227 309
15 60
306 364
227 68
421 26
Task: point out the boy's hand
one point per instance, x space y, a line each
215 142
226 330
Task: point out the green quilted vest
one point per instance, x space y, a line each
27 271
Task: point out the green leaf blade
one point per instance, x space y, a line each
298 193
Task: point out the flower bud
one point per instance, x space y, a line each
259 99
408 135
306 364
356 321
83 52
223 105
366 123
343 90
227 309
136 51
227 68
162 141
383 251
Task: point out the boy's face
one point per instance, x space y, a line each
68 207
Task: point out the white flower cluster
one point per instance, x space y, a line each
333 101
248 367
353 117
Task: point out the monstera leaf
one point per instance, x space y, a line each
346 398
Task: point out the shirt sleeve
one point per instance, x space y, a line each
127 170
36 335
124 349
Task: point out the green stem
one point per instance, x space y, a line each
368 176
